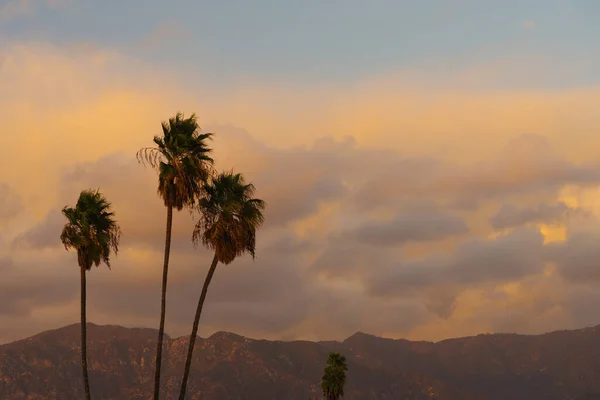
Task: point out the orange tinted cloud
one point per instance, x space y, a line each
73 118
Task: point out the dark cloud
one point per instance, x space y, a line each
44 235
405 279
511 216
578 259
20 292
268 278
343 312
417 226
512 256
259 317
345 259
20 300
476 261
289 244
440 299
437 278
582 304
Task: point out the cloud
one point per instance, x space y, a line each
20 297
505 258
44 235
535 304
14 9
247 296
169 30
418 226
510 216
380 200
527 166
312 178
10 203
578 259
436 278
243 288
581 301
475 261
6 262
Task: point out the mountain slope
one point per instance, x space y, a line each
560 365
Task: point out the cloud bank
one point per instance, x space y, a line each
404 212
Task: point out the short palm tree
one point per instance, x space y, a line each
182 158
94 233
229 218
334 377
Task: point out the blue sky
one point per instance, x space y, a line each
316 41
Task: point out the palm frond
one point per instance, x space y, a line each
149 156
229 217
182 158
91 229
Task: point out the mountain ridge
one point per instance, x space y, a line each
357 333
557 365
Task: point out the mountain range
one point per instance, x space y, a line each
563 365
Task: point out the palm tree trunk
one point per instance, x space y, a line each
86 382
163 303
188 361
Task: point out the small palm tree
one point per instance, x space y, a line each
181 156
229 218
334 377
94 233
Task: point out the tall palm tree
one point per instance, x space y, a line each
334 376
182 158
94 233
229 218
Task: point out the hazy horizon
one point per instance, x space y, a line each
432 170
209 335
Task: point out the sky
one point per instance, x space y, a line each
431 167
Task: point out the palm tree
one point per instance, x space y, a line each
181 157
94 233
334 376
229 218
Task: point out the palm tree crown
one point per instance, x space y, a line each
229 217
91 229
182 159
334 377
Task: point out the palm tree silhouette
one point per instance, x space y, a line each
334 377
94 233
229 218
181 156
